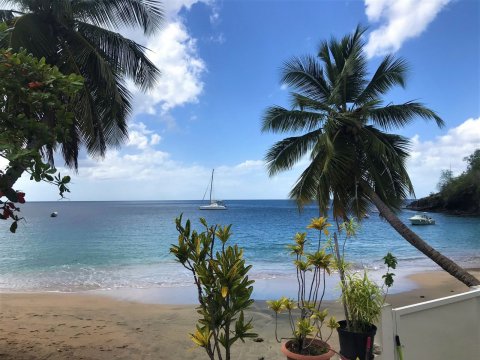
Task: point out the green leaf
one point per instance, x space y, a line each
11 195
13 227
390 260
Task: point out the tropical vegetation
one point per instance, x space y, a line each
361 297
457 194
36 114
80 37
311 268
223 287
344 130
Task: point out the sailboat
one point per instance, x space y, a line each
214 204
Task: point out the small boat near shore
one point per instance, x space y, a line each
422 219
54 214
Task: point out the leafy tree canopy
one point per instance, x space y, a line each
36 112
459 193
80 36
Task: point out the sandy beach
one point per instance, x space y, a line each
87 326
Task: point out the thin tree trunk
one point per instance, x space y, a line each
341 269
444 262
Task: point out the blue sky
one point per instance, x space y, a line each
221 65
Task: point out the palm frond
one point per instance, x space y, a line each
6 15
397 116
22 4
384 165
349 82
285 153
302 102
90 128
114 14
41 42
305 75
307 189
124 55
70 147
104 103
345 66
328 66
278 119
389 73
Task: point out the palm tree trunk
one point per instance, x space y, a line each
444 262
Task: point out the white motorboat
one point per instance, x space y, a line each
214 204
422 219
54 214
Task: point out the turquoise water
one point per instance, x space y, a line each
107 245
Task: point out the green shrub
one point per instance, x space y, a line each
223 286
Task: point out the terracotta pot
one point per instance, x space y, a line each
293 356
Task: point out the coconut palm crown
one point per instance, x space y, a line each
78 36
343 125
343 121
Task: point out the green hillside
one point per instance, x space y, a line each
457 195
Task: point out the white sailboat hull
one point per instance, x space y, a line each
213 206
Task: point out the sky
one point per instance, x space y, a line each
220 63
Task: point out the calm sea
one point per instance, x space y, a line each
107 245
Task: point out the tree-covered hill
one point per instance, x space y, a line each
457 195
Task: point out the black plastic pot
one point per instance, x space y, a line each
353 344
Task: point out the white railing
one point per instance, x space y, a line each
446 328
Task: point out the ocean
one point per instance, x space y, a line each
125 245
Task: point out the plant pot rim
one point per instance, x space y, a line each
343 327
295 356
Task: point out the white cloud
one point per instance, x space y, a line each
251 165
215 15
399 21
218 38
428 158
174 52
155 139
140 137
173 7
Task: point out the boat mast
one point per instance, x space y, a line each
211 186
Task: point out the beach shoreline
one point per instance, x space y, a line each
89 325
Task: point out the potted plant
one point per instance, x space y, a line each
306 317
223 286
362 301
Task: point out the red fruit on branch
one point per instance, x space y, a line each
34 84
21 197
7 213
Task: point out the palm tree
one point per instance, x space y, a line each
78 36
343 124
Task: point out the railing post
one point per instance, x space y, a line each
387 333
